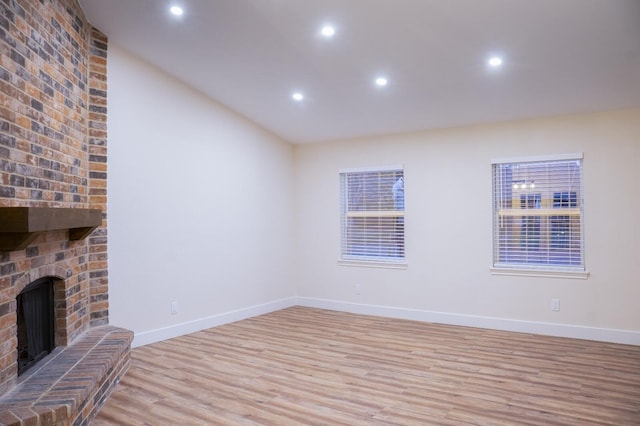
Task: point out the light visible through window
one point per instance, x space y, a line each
538 214
372 219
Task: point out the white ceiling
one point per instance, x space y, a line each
560 57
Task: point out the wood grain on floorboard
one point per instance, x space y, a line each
317 367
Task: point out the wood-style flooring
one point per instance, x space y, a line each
317 367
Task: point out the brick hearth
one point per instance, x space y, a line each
71 385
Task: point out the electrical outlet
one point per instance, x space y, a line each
357 289
555 304
174 307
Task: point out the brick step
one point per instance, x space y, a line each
71 386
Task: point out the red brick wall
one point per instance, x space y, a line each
97 140
53 137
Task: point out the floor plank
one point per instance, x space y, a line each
318 367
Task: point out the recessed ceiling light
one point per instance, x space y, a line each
176 10
495 61
328 31
297 96
381 81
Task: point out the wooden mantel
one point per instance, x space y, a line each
19 226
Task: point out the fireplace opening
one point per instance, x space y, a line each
36 323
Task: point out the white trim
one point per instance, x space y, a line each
545 273
536 158
629 337
371 169
373 263
159 334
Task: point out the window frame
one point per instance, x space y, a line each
532 269
389 262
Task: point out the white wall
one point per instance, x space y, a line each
200 207
449 228
205 207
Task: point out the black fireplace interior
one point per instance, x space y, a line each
36 323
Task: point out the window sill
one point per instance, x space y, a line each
373 263
545 273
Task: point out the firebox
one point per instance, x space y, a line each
36 323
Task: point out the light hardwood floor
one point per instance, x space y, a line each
317 367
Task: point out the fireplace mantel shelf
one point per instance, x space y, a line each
19 226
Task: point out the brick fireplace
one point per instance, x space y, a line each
53 156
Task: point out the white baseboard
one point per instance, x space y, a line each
628 337
545 328
159 334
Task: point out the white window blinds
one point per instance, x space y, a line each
538 214
372 214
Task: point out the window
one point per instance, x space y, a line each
372 219
538 214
